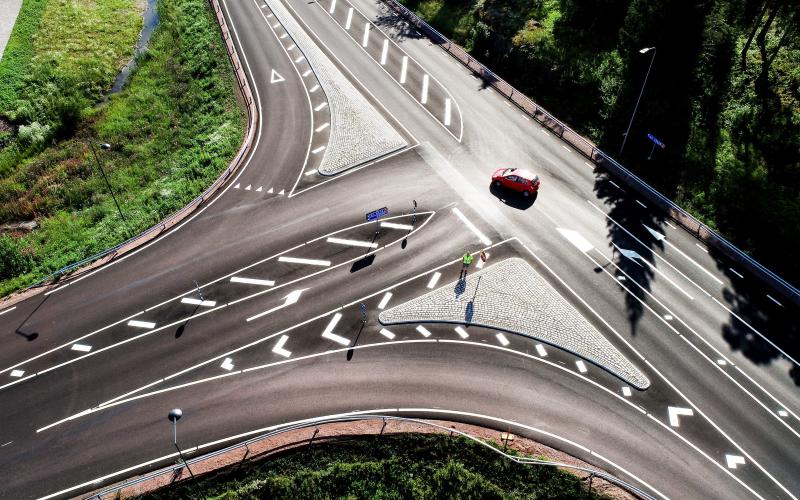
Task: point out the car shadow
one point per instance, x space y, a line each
512 198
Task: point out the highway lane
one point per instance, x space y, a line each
220 241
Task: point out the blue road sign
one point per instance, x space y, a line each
377 214
656 141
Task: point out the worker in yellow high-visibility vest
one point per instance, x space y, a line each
466 260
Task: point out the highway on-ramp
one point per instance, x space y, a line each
249 313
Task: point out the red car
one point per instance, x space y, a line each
524 181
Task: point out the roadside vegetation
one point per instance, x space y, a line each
402 466
723 95
172 130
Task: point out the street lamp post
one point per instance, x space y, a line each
641 51
106 146
173 417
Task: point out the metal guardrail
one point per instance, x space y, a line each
675 212
178 216
116 490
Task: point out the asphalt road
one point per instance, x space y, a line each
89 371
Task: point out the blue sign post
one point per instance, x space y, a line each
656 142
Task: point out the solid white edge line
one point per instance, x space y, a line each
7 310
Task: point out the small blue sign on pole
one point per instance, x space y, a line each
656 141
377 214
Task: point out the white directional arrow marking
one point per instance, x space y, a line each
227 364
634 256
275 77
328 333
661 237
288 300
278 349
734 460
386 333
675 411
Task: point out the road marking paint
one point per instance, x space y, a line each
662 237
260 188
403 70
621 277
276 25
734 272
635 257
282 192
306 73
318 150
675 411
291 47
424 331
698 245
365 39
526 118
668 317
17 373
252 281
394 225
141 324
299 59
313 89
279 350
507 103
587 164
310 262
81 347
385 300
565 147
540 350
349 19
275 77
236 186
733 461
670 225
448 105
545 132
434 279
283 36
198 302
480 264
227 364
311 171
626 391
8 310
615 185
386 333
486 241
722 362
581 366
352 243
770 297
6 444
328 332
502 339
425 82
270 191
320 106
270 14
333 6
249 187
576 239
322 127
640 203
783 413
290 299
461 332
384 51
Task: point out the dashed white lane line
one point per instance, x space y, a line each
198 302
299 59
448 105
349 20
425 83
783 413
333 6
394 225
770 297
668 317
626 391
352 243
320 106
19 373
141 324
403 70
461 332
674 412
736 273
502 339
279 350
322 127
291 47
8 310
434 279
328 332
486 241
565 147
733 460
698 245
227 364
276 25
310 262
384 51
318 150
386 333
670 225
587 164
540 350
81 347
545 132
313 89
283 36
306 73
252 281
507 103
640 203
614 184
581 366
722 362
424 331
365 39
385 300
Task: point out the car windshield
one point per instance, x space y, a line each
508 171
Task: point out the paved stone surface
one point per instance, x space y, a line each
512 296
358 132
9 9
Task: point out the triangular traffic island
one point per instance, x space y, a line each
511 296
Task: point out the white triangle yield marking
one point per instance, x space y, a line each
236 186
675 411
282 192
248 187
259 189
734 460
278 349
270 191
275 77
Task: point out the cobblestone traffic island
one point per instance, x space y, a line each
513 297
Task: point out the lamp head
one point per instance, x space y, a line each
175 415
105 145
646 50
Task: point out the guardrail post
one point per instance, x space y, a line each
591 476
382 427
316 431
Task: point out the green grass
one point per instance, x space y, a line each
173 130
19 51
389 467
